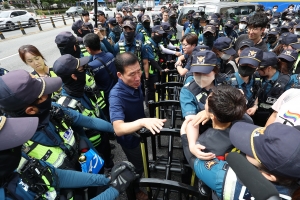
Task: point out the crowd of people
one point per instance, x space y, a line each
240 93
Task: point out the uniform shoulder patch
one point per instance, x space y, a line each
210 163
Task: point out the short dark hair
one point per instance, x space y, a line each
125 59
259 19
85 13
191 38
227 103
92 41
275 6
119 14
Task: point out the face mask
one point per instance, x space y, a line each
291 9
242 26
70 50
146 24
273 26
157 38
271 40
75 87
9 161
208 40
245 71
129 37
204 81
196 23
228 30
274 9
85 32
156 23
172 21
284 30
225 56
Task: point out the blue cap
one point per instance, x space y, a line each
274 31
158 29
289 55
66 38
269 59
112 21
274 21
214 22
276 146
230 23
203 62
129 23
252 56
287 25
201 48
244 19
246 42
288 38
224 44
212 16
145 18
276 15
196 15
19 90
167 28
173 13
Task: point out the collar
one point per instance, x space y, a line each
275 76
240 80
127 88
101 54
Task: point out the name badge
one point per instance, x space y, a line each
68 134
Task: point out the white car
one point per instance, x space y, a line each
9 19
107 11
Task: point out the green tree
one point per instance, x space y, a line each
6 5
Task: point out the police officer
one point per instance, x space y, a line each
172 21
73 96
242 26
273 38
229 30
115 30
129 11
130 43
189 21
194 25
273 85
27 178
150 56
156 19
245 79
102 21
193 95
209 35
144 27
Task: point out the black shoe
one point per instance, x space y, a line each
112 146
203 189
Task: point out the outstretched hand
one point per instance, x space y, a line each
153 124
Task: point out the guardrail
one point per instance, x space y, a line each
32 23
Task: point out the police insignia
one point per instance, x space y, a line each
229 22
200 59
259 131
209 164
252 54
288 53
161 28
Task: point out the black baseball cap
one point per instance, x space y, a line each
203 62
269 59
100 12
252 56
18 89
230 23
67 64
276 146
167 28
16 131
128 23
244 19
209 28
196 15
145 18
289 55
77 25
274 31
158 29
112 21
66 38
224 44
246 42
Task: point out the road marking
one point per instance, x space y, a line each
9 56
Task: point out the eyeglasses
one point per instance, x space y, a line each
185 45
